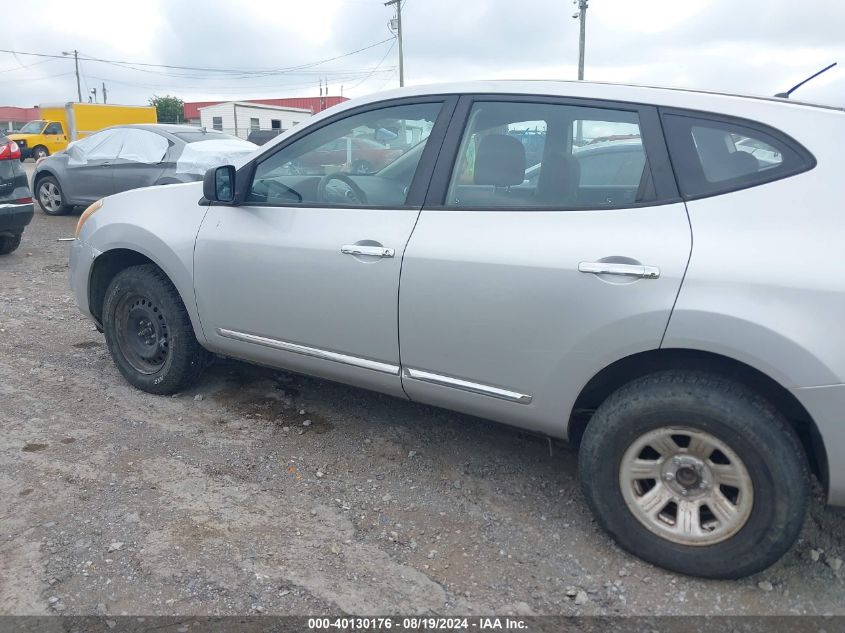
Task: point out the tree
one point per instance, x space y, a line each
168 109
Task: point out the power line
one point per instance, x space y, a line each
258 72
225 90
390 48
24 67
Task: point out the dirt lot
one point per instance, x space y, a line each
264 492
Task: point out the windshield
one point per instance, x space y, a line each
33 127
200 135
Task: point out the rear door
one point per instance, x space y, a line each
527 272
141 160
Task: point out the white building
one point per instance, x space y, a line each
239 118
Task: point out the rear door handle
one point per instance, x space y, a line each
625 270
373 251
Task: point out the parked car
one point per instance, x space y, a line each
128 157
260 137
702 385
72 121
15 198
351 154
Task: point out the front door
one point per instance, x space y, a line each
553 244
141 160
305 273
89 166
55 137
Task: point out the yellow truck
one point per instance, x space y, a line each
62 123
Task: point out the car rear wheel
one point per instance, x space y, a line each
9 243
50 196
39 151
149 333
696 474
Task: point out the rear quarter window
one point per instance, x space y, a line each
712 155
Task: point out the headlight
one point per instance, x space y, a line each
87 214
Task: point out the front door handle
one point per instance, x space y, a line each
373 251
625 270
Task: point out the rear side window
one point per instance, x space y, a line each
712 156
525 155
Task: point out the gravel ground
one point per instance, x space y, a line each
261 491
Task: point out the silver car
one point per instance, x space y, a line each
674 307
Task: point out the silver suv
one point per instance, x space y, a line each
655 275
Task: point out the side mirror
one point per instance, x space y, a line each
218 185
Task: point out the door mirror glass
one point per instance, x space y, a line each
219 184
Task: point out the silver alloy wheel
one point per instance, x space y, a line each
50 197
686 486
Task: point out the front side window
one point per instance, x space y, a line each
101 146
366 159
54 128
540 155
33 127
711 156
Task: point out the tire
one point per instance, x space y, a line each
50 197
149 333
754 448
9 243
39 151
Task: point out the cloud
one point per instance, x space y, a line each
754 46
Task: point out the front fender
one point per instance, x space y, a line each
159 223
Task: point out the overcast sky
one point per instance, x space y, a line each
750 46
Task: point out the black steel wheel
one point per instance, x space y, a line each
149 332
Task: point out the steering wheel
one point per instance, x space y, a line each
354 195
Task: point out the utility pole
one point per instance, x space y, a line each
582 17
104 93
76 63
398 4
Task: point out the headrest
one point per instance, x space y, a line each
499 161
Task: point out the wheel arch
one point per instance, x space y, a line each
41 175
111 262
623 371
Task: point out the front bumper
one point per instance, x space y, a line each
14 217
81 260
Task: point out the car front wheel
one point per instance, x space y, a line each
696 474
149 333
50 196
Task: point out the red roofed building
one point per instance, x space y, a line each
12 117
315 104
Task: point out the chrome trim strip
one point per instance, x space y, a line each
466 385
313 352
626 270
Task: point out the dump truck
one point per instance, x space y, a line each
61 124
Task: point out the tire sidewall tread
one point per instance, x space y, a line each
186 359
754 429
